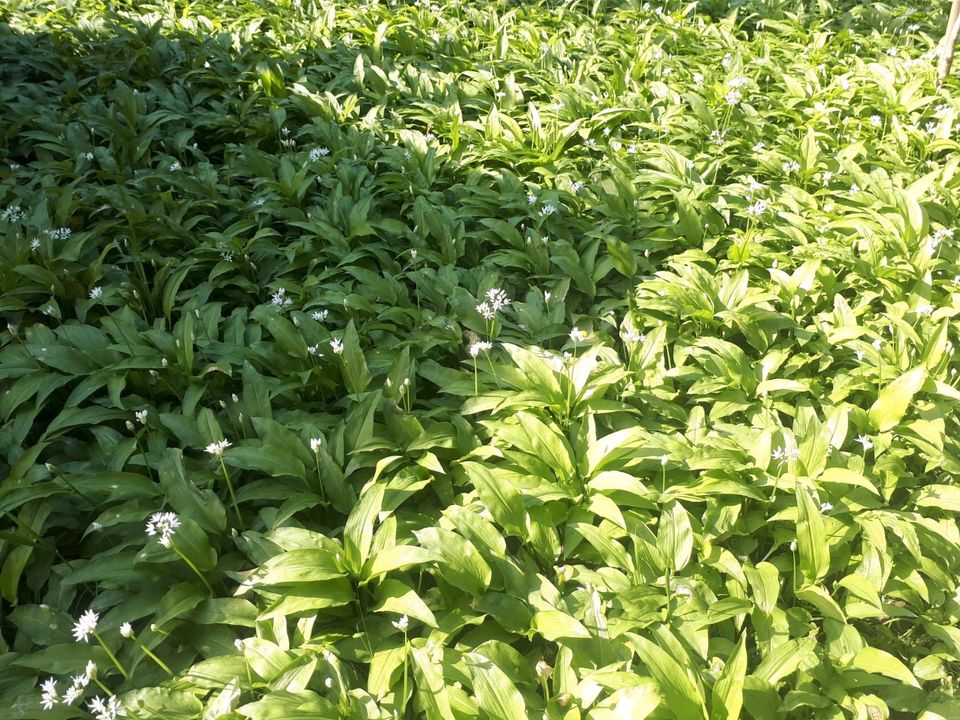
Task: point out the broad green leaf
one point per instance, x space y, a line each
431 689
785 659
895 398
494 690
727 692
681 695
811 538
880 662
554 625
675 536
397 597
358 531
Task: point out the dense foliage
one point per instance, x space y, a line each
477 360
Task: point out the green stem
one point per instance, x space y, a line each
192 567
158 661
323 497
233 497
112 657
405 652
669 584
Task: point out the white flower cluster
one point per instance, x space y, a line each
318 153
938 236
63 233
480 346
109 709
50 696
85 626
280 299
217 448
165 525
12 214
496 300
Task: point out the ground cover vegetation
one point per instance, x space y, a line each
478 360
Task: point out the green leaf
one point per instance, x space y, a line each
941 497
811 538
356 375
880 662
786 658
397 597
895 398
683 698
554 625
431 689
727 692
458 561
358 531
495 693
675 536
499 496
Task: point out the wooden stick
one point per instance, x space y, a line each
948 43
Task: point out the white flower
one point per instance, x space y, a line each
85 626
498 298
110 709
479 346
175 166
793 546
96 293
664 459
865 441
924 309
860 354
164 525
548 209
217 448
877 343
315 444
337 346
578 335
141 416
757 209
280 299
35 244
543 669
759 147
733 97
319 152
876 120
127 629
531 198
791 166
319 315
825 507
72 693
402 623
91 669
827 177
698 79
486 311
81 681
50 695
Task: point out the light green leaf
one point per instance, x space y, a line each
728 690
675 536
681 695
495 692
874 660
895 398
